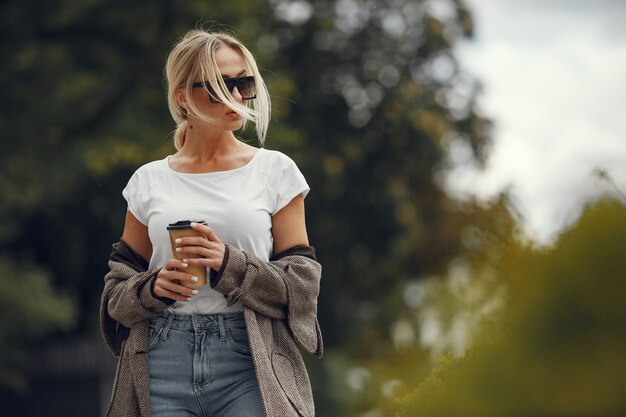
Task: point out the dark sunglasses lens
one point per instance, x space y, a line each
246 87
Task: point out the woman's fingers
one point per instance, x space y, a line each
177 288
168 281
162 292
199 255
193 241
197 247
206 250
173 264
214 263
174 269
205 230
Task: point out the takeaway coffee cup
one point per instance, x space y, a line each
180 229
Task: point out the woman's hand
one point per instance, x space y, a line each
204 251
169 281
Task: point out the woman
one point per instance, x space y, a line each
232 347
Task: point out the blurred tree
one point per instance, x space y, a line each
378 98
29 309
367 99
562 337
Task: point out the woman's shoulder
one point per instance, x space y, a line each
279 168
149 173
156 166
274 159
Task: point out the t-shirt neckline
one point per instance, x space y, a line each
212 173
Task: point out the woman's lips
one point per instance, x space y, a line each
233 115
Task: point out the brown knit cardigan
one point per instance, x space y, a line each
280 311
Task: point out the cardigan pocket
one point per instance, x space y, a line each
284 371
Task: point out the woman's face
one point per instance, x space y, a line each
230 65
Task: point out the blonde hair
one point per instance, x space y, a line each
193 58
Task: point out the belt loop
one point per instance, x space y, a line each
220 321
166 329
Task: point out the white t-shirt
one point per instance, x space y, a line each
237 204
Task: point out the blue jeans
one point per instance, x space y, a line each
201 366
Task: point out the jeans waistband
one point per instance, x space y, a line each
199 321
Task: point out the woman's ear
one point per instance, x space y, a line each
180 98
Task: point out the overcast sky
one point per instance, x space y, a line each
554 76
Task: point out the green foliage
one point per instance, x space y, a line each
29 309
562 343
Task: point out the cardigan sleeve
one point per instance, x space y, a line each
285 288
127 297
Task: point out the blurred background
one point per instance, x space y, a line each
466 161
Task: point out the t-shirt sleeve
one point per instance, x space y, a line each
134 196
290 183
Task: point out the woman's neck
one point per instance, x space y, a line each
206 146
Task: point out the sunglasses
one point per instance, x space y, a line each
245 85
